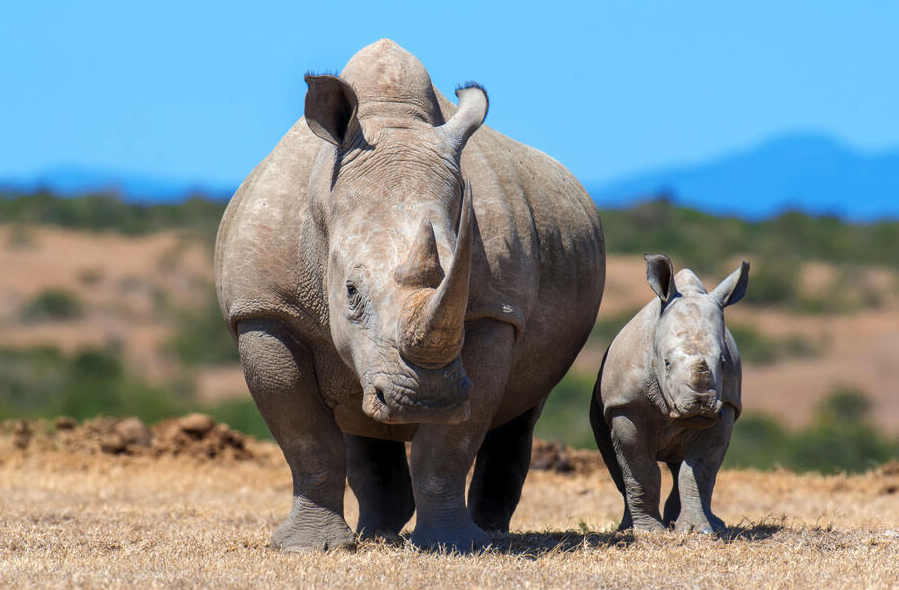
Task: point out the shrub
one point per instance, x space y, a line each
242 415
42 382
565 415
839 438
53 304
757 348
201 336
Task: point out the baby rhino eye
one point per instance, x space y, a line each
351 290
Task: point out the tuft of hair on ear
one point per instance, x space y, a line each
473 84
470 84
313 73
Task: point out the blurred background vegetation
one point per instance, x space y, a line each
43 381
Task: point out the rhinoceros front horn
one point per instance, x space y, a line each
432 326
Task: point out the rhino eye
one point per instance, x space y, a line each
354 301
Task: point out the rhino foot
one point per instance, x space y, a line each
699 525
467 538
642 522
385 536
312 528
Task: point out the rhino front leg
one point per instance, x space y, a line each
696 480
640 471
281 377
442 454
379 476
500 470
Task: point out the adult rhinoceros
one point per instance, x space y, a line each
394 271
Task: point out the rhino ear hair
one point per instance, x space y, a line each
330 108
660 275
733 288
472 110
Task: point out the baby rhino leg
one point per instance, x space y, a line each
639 469
696 480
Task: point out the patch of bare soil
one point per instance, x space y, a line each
114 520
194 435
124 283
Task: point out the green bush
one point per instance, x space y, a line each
53 304
100 212
759 349
201 336
565 416
240 414
839 438
43 383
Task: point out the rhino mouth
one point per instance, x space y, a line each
441 399
697 409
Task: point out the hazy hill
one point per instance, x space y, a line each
812 173
74 181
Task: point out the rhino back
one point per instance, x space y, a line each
627 377
265 255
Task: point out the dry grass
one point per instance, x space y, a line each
114 521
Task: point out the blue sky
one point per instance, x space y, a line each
203 90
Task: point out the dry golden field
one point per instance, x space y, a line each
70 517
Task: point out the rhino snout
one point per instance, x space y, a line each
396 400
697 409
701 377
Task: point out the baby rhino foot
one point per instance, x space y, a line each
312 528
464 539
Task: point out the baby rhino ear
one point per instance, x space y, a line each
733 288
660 275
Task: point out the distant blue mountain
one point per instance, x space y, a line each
75 181
811 173
806 172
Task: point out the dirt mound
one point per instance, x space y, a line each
195 435
552 455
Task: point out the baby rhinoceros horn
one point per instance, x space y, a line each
431 329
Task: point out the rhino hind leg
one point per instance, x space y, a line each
378 474
500 470
603 437
672 504
281 377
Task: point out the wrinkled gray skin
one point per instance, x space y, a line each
395 271
669 390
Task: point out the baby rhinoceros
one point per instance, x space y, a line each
669 390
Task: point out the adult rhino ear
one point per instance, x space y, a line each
472 110
660 275
330 108
733 288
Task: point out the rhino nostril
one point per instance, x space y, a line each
379 393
